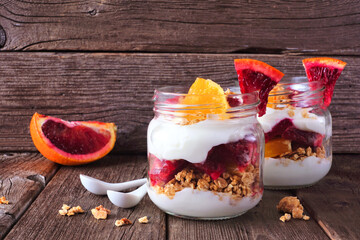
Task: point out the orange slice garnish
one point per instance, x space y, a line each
71 143
205 97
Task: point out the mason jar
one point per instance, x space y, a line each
298 149
204 164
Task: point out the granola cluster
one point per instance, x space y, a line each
100 212
239 184
66 210
291 205
302 153
3 200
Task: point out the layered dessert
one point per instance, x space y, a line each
298 147
295 119
206 163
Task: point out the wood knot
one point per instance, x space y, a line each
2 37
92 12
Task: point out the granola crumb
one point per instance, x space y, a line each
122 222
228 92
301 151
3 200
100 212
62 212
308 151
320 152
65 207
305 113
74 210
291 113
306 218
143 220
220 182
297 213
285 218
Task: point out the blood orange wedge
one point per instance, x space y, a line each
327 71
276 147
71 143
255 75
205 97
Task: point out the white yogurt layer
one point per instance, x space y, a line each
312 123
285 172
202 204
170 141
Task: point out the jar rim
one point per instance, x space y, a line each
300 84
252 98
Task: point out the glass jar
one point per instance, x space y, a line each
298 149
203 164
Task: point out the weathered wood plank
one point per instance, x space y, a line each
118 88
262 222
177 26
334 201
65 187
22 177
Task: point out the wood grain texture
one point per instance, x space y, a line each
114 87
261 222
334 202
176 26
65 187
22 177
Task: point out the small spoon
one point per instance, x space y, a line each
127 200
99 187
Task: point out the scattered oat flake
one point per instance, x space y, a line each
143 220
305 217
3 200
122 222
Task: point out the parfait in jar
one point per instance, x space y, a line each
297 123
205 151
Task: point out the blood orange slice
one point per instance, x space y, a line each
71 143
327 71
255 75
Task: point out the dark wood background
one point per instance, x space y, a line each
102 59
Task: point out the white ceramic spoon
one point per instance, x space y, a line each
99 187
127 200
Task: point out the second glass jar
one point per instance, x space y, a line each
298 150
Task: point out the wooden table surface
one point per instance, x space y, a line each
37 188
102 60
